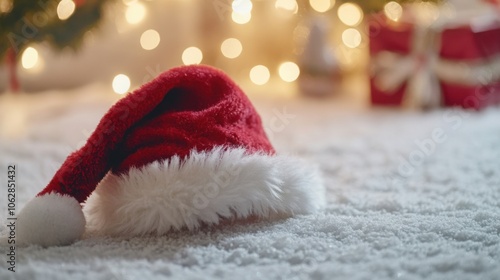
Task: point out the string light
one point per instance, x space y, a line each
289 71
231 48
29 58
287 5
241 18
393 11
321 5
259 75
192 55
65 9
121 83
242 6
351 38
150 39
135 12
242 11
350 14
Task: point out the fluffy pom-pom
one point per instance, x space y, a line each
50 220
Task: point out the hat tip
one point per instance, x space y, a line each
50 220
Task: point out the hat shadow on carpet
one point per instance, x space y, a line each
151 247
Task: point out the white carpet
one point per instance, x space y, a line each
437 217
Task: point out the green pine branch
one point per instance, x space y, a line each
32 21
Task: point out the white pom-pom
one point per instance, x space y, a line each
50 220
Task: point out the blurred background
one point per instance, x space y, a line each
311 47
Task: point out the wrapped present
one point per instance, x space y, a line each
451 62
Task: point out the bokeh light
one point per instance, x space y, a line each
259 75
150 39
121 83
135 12
65 9
29 58
351 38
240 18
242 6
393 11
231 48
192 55
321 5
289 71
350 14
287 5
6 6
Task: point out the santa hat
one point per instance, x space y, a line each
184 150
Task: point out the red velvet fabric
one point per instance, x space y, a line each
184 109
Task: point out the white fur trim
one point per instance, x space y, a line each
202 189
50 220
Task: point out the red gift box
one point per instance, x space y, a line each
428 67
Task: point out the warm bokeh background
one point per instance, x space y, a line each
139 39
263 44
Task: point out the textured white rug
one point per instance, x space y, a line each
411 196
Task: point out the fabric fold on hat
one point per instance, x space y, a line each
184 150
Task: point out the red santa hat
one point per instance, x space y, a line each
184 150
